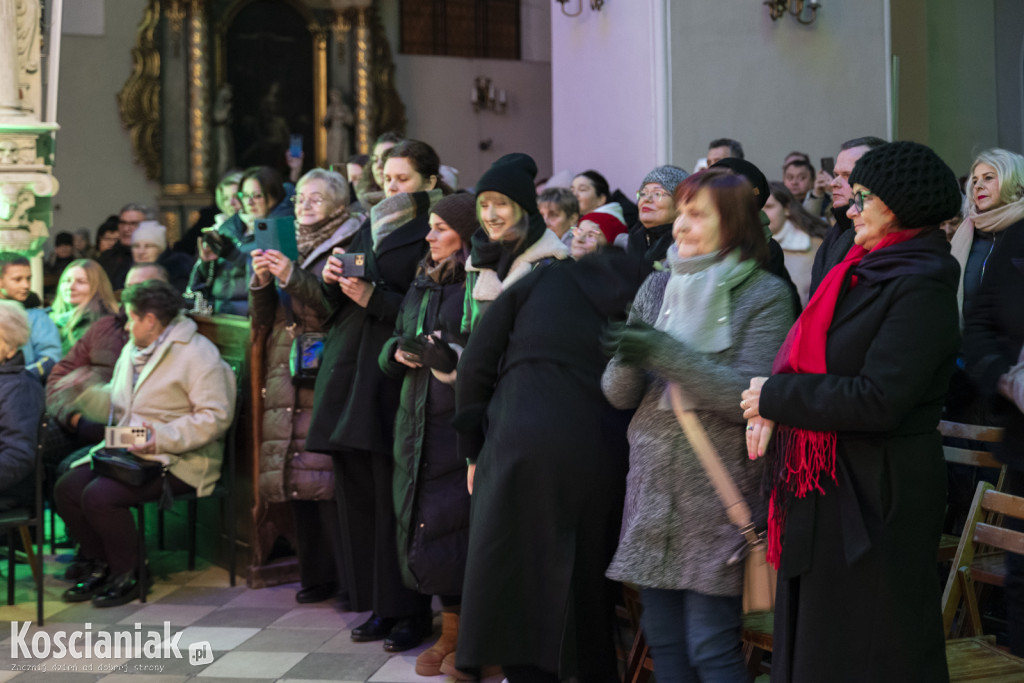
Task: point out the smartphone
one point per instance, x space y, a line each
295 149
277 234
353 265
125 437
828 164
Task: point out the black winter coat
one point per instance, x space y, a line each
994 334
858 561
430 496
354 404
552 458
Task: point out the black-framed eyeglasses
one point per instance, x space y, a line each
858 199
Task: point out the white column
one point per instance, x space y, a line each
9 101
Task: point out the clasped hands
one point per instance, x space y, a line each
759 429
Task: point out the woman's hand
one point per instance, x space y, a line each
278 264
759 434
751 403
470 472
405 358
205 253
358 290
148 448
333 268
261 266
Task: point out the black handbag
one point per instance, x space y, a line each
125 467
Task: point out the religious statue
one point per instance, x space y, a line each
337 120
223 140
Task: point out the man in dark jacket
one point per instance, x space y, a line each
840 236
117 260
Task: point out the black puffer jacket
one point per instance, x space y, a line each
21 406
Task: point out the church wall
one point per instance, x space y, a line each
1009 26
436 93
93 152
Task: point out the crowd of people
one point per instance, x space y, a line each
480 396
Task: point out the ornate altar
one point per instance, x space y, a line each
26 140
222 84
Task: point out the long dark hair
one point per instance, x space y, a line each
739 215
270 182
798 215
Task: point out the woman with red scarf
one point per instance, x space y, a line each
858 482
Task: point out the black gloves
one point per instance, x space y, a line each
431 352
636 342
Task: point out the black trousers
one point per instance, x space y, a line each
362 483
317 539
96 511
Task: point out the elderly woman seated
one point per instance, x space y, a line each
171 381
21 406
149 245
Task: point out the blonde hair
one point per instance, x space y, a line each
13 324
1010 170
101 294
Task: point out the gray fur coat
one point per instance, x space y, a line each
675 533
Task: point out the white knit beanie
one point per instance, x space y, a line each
151 231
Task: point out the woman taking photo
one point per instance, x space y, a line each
703 325
221 273
84 296
797 232
857 474
431 501
652 236
354 404
284 298
994 201
513 239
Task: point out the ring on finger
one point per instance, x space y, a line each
750 428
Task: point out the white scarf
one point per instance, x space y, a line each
792 238
993 220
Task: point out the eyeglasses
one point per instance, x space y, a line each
655 196
858 199
135 223
313 199
255 196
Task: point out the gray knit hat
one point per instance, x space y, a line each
667 176
916 185
459 212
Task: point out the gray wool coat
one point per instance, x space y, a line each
675 533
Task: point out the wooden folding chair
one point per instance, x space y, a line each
959 455
979 557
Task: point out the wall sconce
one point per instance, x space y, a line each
778 8
485 96
595 5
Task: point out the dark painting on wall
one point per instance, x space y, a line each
269 66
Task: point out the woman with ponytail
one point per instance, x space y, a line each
856 473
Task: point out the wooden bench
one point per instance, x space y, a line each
978 659
958 455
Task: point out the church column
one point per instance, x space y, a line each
363 141
199 115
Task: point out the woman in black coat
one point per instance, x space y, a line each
550 458
430 496
857 473
354 404
21 406
993 336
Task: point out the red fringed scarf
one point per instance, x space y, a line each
803 455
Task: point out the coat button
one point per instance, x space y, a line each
288 410
722 319
295 454
422 525
295 494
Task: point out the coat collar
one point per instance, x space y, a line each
181 332
488 286
344 232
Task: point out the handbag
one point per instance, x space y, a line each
759 577
307 351
125 467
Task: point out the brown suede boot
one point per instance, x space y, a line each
428 663
448 669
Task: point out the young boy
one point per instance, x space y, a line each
43 348
560 209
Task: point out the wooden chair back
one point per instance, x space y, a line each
972 562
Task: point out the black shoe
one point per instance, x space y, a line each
121 590
80 567
89 586
374 628
409 632
324 591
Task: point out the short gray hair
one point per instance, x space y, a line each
337 186
148 211
13 324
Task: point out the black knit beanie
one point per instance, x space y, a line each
753 175
916 185
512 175
459 212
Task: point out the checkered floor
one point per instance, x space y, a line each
255 635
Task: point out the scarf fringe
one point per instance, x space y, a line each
803 456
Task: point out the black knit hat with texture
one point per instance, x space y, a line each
459 212
512 175
753 175
916 185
